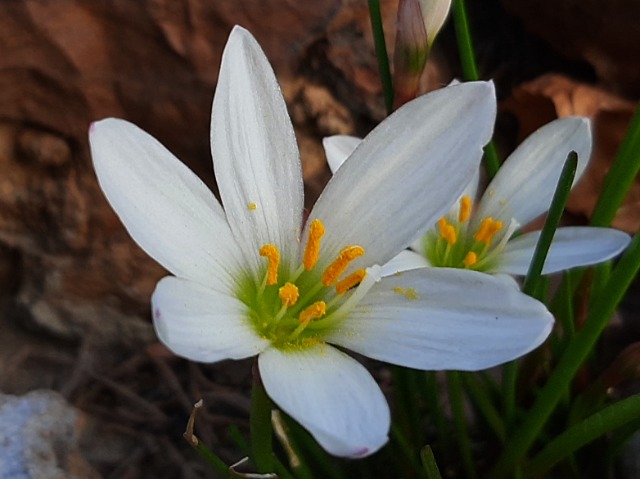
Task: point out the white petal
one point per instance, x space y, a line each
164 206
472 188
440 318
201 324
329 394
406 173
571 247
338 148
524 185
255 154
435 13
404 261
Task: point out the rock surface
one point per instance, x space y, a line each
39 438
66 264
604 34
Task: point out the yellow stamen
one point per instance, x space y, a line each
339 265
273 255
316 232
350 281
465 209
289 294
488 229
470 259
315 311
252 206
447 231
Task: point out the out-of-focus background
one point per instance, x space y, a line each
74 289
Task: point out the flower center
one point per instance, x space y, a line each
458 242
291 310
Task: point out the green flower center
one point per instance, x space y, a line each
295 309
455 243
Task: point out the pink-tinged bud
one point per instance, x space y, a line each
412 48
418 24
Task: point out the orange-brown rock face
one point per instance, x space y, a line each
65 261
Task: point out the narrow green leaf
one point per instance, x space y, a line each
261 430
577 351
620 176
602 422
551 224
459 420
381 53
485 406
432 397
408 451
429 463
470 72
214 461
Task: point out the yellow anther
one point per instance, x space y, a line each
316 232
273 255
315 311
488 229
350 281
252 206
339 265
465 209
289 294
447 231
470 259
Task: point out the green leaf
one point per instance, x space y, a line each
381 53
604 421
620 176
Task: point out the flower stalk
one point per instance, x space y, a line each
260 426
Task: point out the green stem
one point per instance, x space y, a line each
620 176
381 53
457 409
602 422
576 352
261 429
470 72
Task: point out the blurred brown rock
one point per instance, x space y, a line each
603 33
67 265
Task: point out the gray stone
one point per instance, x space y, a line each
38 438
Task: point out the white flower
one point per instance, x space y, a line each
482 239
250 279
